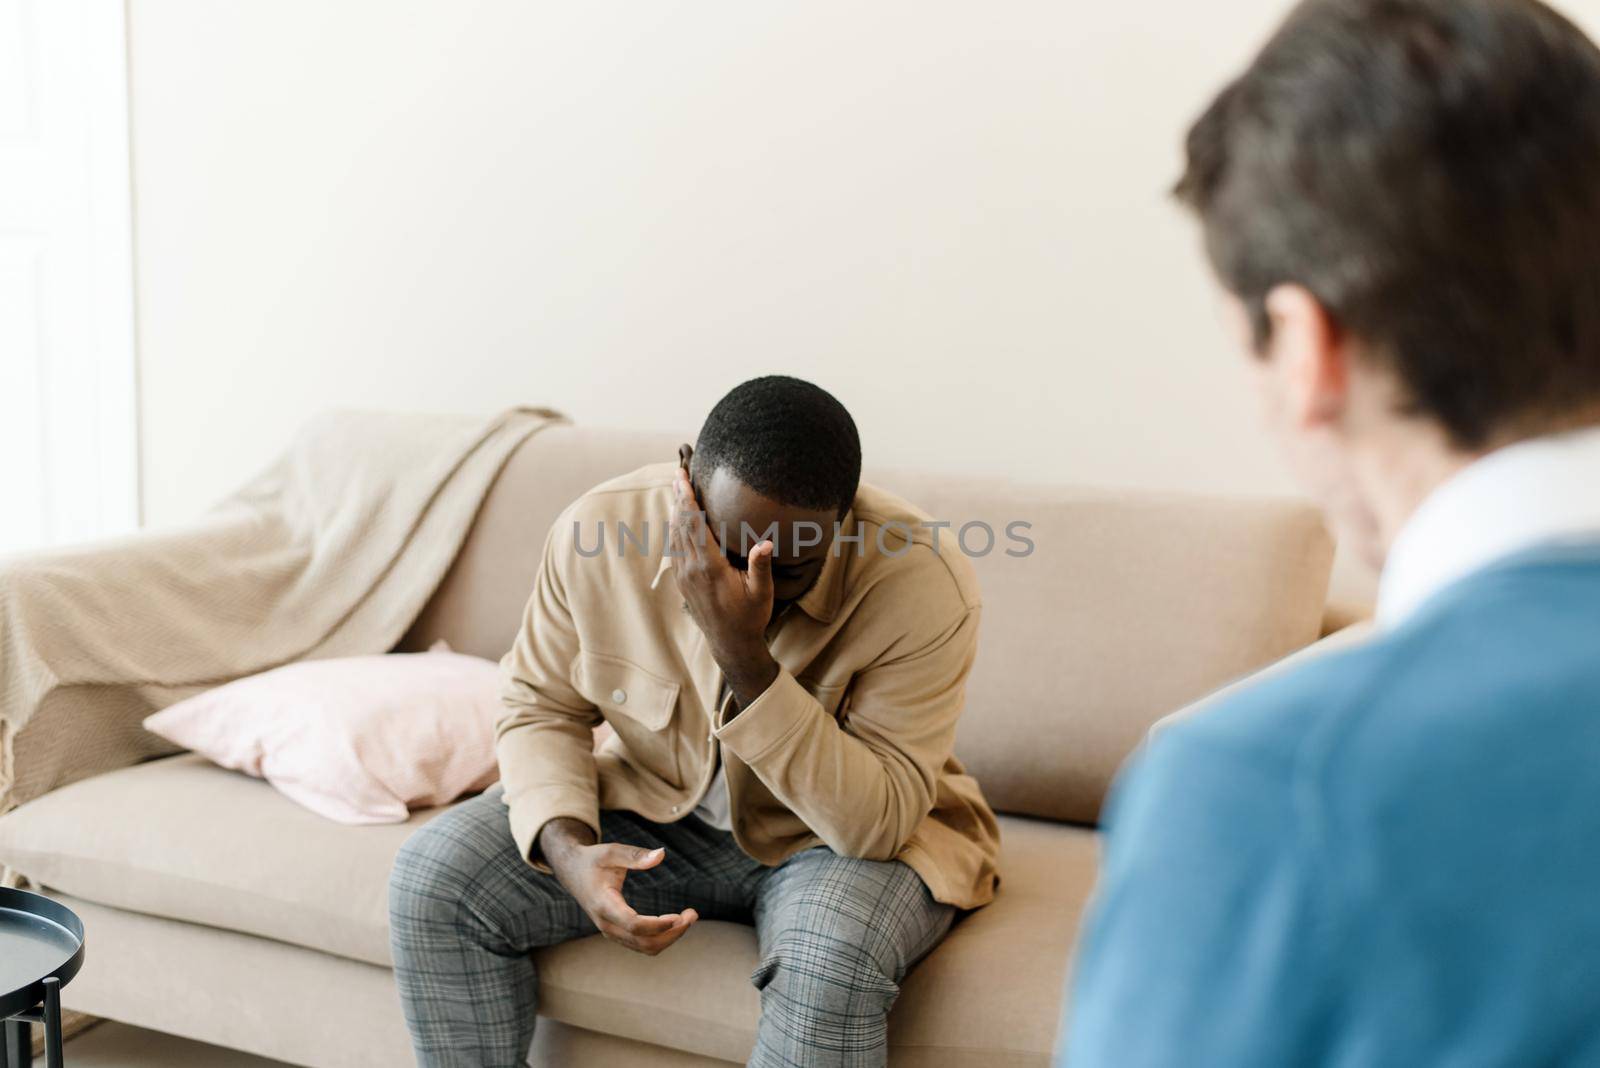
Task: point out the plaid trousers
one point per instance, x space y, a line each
837 935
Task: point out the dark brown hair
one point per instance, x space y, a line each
1430 171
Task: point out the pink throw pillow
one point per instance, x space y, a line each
359 739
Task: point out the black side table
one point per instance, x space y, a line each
41 949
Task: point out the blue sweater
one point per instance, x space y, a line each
1390 856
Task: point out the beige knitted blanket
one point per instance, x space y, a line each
332 551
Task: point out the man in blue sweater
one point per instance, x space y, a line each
1391 855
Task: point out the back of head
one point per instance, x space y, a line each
785 438
1430 171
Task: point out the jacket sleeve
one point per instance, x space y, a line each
544 737
864 787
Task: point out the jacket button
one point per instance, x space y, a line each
674 809
619 696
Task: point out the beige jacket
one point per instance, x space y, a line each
851 747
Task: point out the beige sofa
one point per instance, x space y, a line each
218 909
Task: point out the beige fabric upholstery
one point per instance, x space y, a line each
331 551
1342 615
290 1003
1354 634
234 990
182 838
479 604
556 1043
1132 604
213 847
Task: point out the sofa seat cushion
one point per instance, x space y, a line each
989 995
183 839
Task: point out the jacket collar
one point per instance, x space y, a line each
1534 493
821 602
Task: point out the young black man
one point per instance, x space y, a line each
783 670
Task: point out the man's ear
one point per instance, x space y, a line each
685 459
1306 350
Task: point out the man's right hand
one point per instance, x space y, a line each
593 873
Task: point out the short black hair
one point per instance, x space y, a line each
1430 171
787 439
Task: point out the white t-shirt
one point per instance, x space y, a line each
713 808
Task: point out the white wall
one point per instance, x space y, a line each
951 214
68 470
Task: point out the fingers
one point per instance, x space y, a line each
650 945
675 532
759 575
599 890
643 934
634 858
614 911
686 513
688 533
655 945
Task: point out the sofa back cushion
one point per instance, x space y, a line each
478 605
1130 604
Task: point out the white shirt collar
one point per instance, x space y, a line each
1537 492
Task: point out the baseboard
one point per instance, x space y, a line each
72 1023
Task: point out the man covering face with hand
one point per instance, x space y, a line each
781 654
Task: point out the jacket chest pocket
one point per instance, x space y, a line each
625 692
